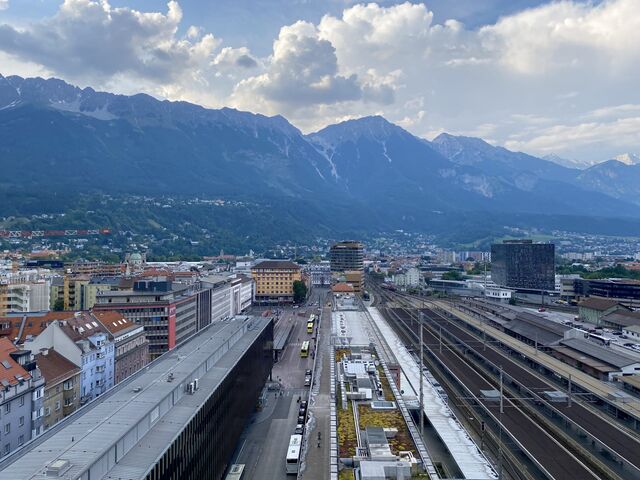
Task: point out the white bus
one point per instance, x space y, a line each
293 454
235 472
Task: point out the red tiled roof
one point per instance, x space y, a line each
113 321
9 368
33 325
54 367
342 288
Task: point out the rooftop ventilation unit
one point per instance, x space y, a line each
58 468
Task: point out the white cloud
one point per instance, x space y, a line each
91 39
560 77
302 71
4 4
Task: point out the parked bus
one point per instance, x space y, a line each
293 454
309 327
304 351
235 472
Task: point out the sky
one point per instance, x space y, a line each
542 77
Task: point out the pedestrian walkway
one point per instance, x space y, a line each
317 458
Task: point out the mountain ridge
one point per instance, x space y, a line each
60 139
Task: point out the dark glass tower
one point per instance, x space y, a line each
523 264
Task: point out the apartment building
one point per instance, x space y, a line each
131 344
21 397
274 281
83 341
62 385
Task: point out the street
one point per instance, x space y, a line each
263 445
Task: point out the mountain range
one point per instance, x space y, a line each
57 141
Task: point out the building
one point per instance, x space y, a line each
24 295
632 332
346 256
21 403
347 263
410 278
84 342
522 264
167 311
497 293
171 312
173 420
131 345
61 387
274 281
101 269
625 291
592 310
598 361
319 274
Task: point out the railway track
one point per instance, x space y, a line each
619 441
560 461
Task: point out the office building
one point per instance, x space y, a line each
274 281
167 311
22 399
61 387
175 420
345 256
347 263
522 264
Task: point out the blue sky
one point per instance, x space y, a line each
531 75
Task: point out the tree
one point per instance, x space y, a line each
452 275
299 291
58 305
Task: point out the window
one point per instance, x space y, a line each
21 401
7 428
20 439
7 407
47 411
57 405
21 421
6 448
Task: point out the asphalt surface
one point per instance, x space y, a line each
263 445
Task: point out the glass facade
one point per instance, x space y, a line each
523 264
204 447
347 256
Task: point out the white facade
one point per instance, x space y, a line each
94 354
410 278
498 293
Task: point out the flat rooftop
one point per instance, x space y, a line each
143 414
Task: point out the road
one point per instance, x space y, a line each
263 444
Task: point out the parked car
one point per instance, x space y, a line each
307 373
307 381
303 404
299 429
301 419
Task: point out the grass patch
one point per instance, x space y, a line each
388 419
347 441
386 387
345 474
342 353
